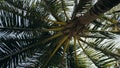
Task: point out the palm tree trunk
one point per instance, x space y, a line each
99 8
79 7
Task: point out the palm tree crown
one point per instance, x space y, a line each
49 34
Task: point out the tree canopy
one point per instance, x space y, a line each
59 34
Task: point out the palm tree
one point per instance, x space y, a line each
46 34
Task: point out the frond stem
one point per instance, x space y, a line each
86 52
64 51
76 59
55 50
52 37
63 7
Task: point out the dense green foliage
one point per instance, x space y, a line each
35 34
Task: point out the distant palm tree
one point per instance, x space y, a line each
46 34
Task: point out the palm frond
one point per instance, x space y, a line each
57 9
100 59
17 28
108 49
